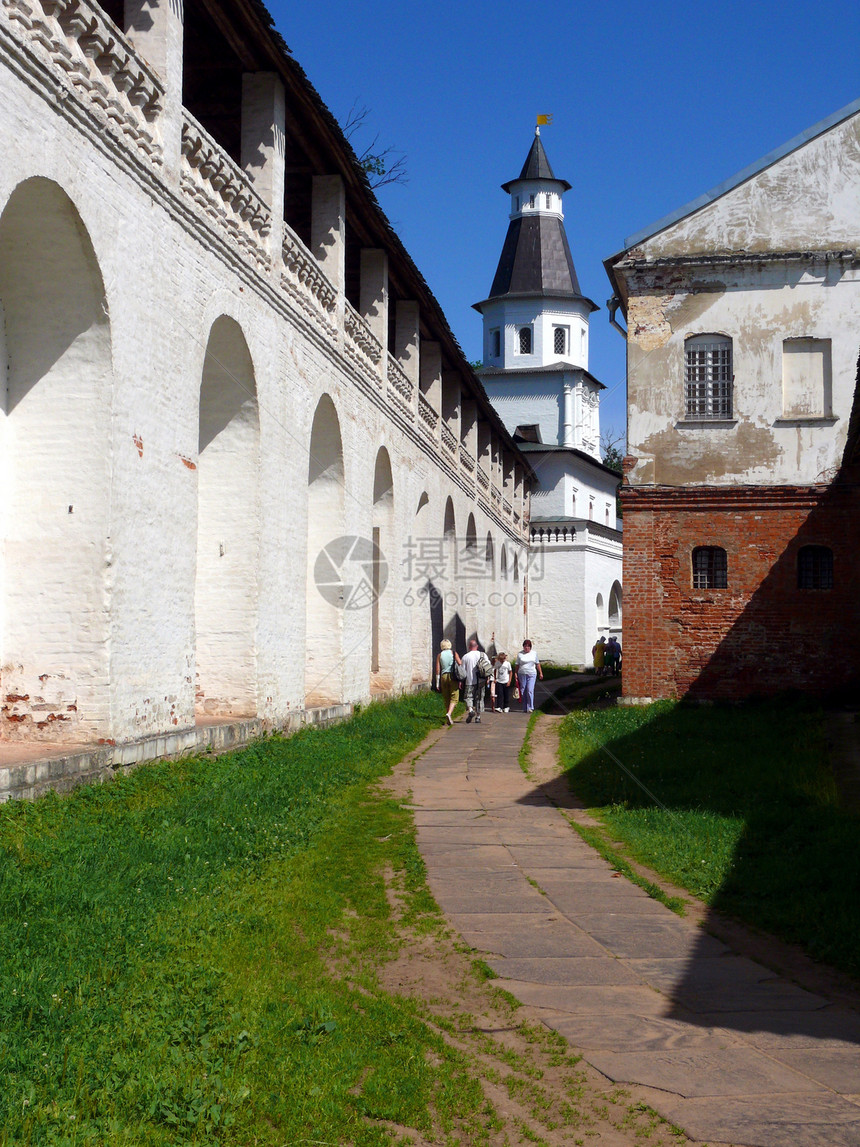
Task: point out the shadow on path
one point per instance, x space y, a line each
722 1045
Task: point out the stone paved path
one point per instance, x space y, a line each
731 1052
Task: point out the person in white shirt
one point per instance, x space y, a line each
504 672
473 694
528 668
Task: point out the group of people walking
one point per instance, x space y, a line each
483 677
607 657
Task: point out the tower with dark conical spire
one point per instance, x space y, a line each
535 314
536 317
535 372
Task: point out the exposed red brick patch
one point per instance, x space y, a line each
13 697
760 635
187 462
138 441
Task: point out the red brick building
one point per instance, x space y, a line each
741 497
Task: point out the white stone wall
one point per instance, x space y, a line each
565 580
119 529
569 487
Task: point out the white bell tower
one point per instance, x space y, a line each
536 317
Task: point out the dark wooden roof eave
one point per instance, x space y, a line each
322 138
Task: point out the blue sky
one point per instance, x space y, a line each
653 104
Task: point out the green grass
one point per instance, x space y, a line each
189 953
525 753
596 837
736 804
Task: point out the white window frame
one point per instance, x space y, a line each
520 332
565 331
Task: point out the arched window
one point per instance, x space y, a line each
559 337
615 606
708 377
525 340
710 568
815 568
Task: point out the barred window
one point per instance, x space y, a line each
496 336
708 377
559 340
525 340
815 568
548 202
710 568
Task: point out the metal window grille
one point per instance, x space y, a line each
531 201
815 568
710 568
559 340
548 202
525 340
497 343
708 379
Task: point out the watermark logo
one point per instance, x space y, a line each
351 572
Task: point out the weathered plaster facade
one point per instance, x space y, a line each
218 360
767 268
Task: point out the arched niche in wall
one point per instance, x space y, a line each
600 614
425 592
384 560
325 560
469 579
55 405
489 597
228 528
505 611
455 627
615 608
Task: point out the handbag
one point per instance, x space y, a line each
457 671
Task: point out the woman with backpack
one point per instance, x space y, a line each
446 679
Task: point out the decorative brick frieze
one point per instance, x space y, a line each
567 532
98 62
306 282
467 461
429 417
400 383
483 478
361 345
449 440
222 189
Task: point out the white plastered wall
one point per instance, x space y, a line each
167 278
